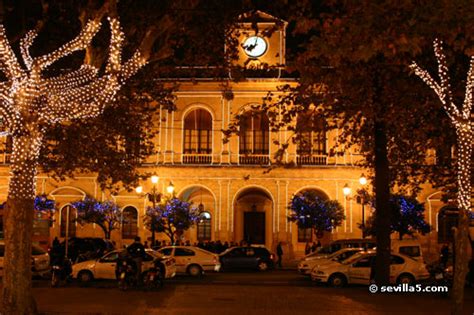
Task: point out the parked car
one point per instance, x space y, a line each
192 260
411 248
104 267
39 260
366 243
87 248
356 269
306 265
249 257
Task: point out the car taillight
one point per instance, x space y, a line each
272 257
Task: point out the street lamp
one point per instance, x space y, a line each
361 200
154 196
170 188
346 190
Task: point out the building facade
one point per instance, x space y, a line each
239 199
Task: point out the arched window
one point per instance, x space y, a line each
312 141
204 227
198 132
68 221
447 219
129 223
254 138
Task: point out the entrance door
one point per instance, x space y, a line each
254 227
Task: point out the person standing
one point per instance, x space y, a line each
137 251
307 249
279 254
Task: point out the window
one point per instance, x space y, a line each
364 262
112 257
166 251
198 132
204 227
68 221
184 252
254 134
129 223
313 135
305 235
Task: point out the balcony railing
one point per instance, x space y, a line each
312 159
197 158
254 159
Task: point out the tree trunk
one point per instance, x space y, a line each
17 289
382 196
461 234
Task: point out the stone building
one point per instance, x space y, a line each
227 180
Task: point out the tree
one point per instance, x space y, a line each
311 211
45 207
406 217
172 216
32 101
106 214
461 118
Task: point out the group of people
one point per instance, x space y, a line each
311 248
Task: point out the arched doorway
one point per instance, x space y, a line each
253 210
68 222
129 222
205 228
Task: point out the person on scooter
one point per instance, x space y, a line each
137 251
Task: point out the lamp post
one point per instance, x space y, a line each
153 196
361 200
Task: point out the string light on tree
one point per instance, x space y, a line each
462 121
30 102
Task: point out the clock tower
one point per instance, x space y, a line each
260 41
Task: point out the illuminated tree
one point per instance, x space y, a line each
106 214
311 211
172 216
406 217
30 102
461 118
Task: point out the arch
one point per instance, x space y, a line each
81 192
187 192
193 106
129 222
324 193
67 219
256 213
430 199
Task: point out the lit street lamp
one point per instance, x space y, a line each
153 196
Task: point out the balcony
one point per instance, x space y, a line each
197 158
254 159
312 159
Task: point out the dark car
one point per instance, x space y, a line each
86 248
258 258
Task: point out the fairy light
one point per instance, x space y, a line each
29 102
460 119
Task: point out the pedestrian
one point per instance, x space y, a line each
55 242
314 247
137 251
145 244
444 255
279 254
307 249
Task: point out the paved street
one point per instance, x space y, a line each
275 292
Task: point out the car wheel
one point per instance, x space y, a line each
85 276
194 270
262 265
337 280
406 278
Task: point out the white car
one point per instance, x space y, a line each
104 267
356 269
306 265
39 260
192 260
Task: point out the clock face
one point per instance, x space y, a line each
255 46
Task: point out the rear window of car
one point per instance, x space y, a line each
412 251
166 251
262 252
